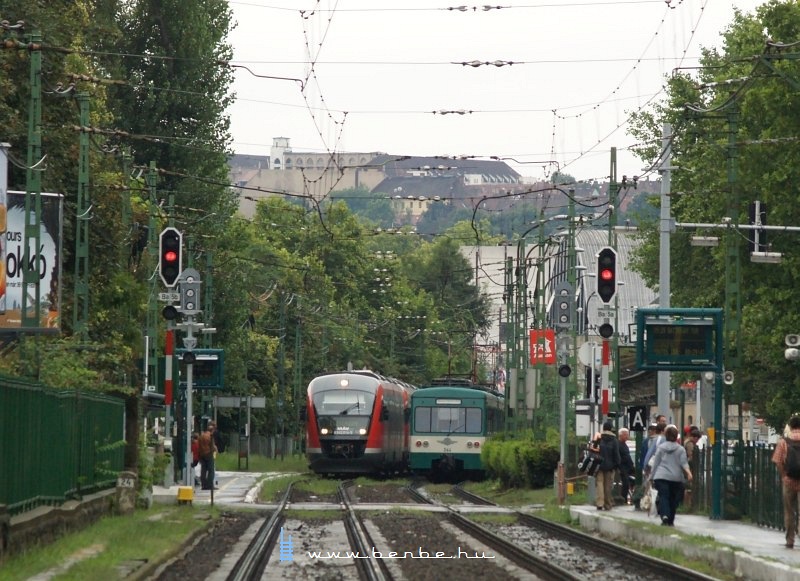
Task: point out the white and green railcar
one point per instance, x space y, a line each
449 426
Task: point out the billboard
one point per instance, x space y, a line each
11 265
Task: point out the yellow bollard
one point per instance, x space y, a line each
570 488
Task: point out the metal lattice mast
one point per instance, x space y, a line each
733 297
298 378
510 337
152 303
80 312
30 317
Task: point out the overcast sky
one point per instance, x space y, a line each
374 71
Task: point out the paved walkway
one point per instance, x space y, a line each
756 553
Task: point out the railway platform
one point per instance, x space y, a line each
754 553
233 488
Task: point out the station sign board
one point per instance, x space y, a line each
679 339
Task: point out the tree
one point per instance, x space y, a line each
735 129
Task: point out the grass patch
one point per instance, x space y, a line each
229 462
367 481
318 486
334 514
273 487
492 490
493 518
113 541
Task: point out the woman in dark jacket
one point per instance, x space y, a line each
609 451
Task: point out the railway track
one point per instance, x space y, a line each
254 559
528 560
360 540
593 548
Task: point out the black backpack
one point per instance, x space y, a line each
791 466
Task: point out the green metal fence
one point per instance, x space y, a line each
750 484
56 445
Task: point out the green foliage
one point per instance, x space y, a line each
735 124
520 463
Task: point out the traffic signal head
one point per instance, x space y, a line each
169 256
606 274
190 292
563 305
606 330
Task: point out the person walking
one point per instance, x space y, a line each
669 468
626 468
791 486
661 424
609 452
206 449
693 457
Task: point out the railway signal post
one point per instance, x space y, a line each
189 282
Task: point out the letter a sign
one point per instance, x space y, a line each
637 417
543 346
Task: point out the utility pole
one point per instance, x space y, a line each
31 263
665 230
80 314
511 339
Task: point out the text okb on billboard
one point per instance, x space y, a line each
11 265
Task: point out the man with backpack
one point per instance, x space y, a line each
787 459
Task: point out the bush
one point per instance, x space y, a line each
520 463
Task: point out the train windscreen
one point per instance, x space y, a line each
343 412
447 420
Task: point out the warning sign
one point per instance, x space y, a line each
543 346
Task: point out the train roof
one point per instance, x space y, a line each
461 381
438 389
373 374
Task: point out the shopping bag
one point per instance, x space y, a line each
590 463
647 498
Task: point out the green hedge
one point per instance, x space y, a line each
520 463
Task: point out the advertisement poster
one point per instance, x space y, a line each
11 262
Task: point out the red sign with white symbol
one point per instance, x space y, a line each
543 346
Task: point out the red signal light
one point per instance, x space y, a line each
169 250
606 274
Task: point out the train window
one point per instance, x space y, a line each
474 421
448 420
344 402
422 419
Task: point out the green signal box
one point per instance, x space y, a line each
208 370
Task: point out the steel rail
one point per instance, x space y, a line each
608 548
255 558
659 567
369 569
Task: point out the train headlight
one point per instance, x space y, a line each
477 444
425 444
362 431
469 444
324 431
418 443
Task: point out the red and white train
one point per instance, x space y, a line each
357 422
